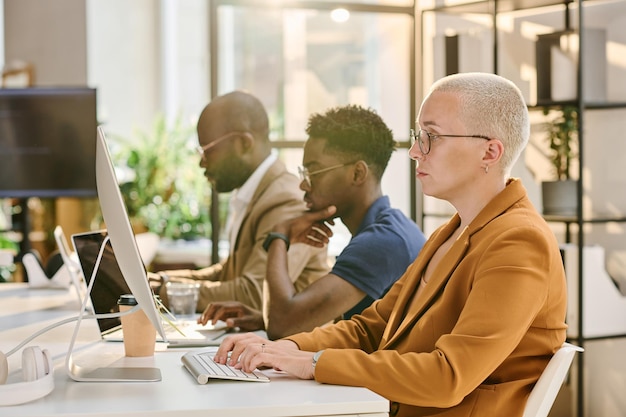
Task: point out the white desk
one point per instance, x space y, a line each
177 393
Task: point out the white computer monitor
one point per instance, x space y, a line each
121 234
129 261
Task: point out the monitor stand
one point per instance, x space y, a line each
111 374
104 374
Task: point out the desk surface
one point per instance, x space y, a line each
175 394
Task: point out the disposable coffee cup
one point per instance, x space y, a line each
139 332
182 298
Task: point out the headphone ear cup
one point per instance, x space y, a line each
4 368
37 374
34 364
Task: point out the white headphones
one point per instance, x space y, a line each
37 375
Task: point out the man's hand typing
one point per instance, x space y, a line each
234 314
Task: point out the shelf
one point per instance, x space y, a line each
587 106
556 218
605 106
503 6
574 219
527 19
486 6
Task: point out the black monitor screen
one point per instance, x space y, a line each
110 283
47 142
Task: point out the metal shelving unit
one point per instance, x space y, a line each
494 8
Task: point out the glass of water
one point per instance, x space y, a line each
182 298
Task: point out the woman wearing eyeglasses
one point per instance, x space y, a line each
473 322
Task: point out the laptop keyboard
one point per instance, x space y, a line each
203 368
189 330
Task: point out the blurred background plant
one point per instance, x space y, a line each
562 137
11 246
164 189
8 244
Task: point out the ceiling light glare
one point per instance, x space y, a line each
340 15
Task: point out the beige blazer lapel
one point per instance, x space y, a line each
440 277
274 171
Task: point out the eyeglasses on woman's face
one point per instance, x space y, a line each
424 139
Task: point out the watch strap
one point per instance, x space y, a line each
316 357
272 236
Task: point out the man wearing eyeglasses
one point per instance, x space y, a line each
236 155
344 159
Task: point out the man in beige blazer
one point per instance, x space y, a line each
470 326
233 132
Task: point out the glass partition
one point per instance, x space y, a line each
298 56
303 60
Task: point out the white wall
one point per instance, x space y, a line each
1 33
123 62
51 36
147 58
185 57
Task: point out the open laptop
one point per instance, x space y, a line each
109 284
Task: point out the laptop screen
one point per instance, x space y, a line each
109 283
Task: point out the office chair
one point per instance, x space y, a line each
547 387
17 74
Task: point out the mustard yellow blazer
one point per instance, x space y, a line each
476 341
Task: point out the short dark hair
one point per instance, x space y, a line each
354 133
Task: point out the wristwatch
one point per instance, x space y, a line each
316 357
274 235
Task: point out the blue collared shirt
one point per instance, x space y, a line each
385 244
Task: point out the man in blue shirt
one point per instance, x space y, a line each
383 246
344 159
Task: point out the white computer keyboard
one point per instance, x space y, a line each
201 365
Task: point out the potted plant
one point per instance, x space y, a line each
560 195
163 187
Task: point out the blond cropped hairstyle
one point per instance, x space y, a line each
493 106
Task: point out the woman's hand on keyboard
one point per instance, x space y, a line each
249 351
234 345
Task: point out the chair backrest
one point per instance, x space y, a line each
17 74
547 387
